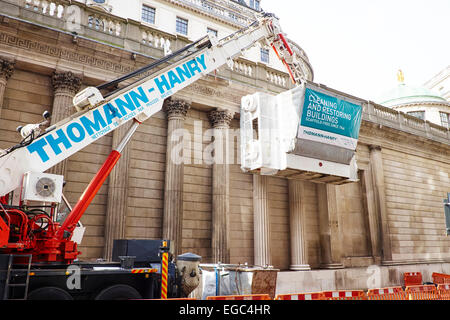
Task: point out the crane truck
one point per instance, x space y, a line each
38 252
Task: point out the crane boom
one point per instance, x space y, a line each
139 101
40 234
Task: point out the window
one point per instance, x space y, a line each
182 26
445 119
417 114
95 23
148 14
255 4
212 31
265 55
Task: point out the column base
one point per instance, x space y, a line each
406 262
388 263
300 267
332 266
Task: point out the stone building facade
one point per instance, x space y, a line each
393 217
440 83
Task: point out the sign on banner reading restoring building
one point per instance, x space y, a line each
329 118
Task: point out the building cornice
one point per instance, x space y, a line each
422 103
216 12
373 134
442 75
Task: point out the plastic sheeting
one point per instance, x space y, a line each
322 126
225 283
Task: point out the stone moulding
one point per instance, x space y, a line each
62 53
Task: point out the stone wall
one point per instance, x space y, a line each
415 188
416 181
279 222
393 215
146 179
23 106
197 193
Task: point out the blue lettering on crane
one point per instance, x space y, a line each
179 75
61 139
95 125
102 120
111 112
138 96
38 146
76 135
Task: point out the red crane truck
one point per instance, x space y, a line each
38 253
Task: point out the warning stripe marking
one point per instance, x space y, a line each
164 267
144 270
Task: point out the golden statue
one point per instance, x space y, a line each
400 76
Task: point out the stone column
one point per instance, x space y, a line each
367 188
176 111
376 166
220 121
6 70
65 86
329 229
297 213
261 220
116 207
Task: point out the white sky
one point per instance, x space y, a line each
357 46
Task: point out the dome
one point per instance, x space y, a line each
406 94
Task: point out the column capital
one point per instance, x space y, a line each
176 108
66 80
220 118
374 147
6 68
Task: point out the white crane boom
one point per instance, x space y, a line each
138 101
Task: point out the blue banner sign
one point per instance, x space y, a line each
330 119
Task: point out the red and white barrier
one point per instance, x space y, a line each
422 288
388 290
301 296
345 295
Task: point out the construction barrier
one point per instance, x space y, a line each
413 292
384 290
390 293
301 296
388 296
412 278
345 295
241 297
423 292
423 295
421 288
443 287
443 291
440 278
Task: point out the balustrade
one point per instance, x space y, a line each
50 8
